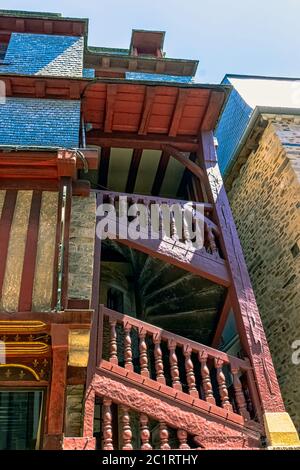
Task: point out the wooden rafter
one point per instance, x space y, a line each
213 109
133 170
184 160
160 173
178 110
104 167
147 108
132 140
110 105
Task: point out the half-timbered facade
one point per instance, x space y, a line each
124 343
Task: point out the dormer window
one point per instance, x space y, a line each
147 43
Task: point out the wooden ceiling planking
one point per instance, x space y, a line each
178 111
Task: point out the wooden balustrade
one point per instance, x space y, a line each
197 363
211 231
142 430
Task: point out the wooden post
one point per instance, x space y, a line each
247 316
56 410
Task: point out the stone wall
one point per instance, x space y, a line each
81 246
265 199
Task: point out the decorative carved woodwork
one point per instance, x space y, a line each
107 425
164 436
239 394
202 354
145 432
143 353
127 347
113 346
126 428
222 385
174 365
182 438
205 375
159 366
190 376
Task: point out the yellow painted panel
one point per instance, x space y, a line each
119 163
147 171
2 197
172 178
16 250
43 278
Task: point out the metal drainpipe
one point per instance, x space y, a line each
61 249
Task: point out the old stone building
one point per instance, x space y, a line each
147 342
262 176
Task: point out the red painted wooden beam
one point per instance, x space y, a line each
27 280
242 296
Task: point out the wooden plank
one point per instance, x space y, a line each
104 167
133 170
178 111
27 280
185 161
5 226
247 316
160 173
133 140
110 105
56 409
194 262
213 110
147 108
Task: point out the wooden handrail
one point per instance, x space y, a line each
179 340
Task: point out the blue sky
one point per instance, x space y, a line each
227 36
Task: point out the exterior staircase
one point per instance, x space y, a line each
192 391
157 389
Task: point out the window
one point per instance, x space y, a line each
20 419
115 299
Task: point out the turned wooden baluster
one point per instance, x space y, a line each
111 199
222 385
144 432
189 369
143 353
211 240
113 347
174 365
186 227
126 428
107 425
173 228
127 347
182 437
164 436
205 375
239 394
159 365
